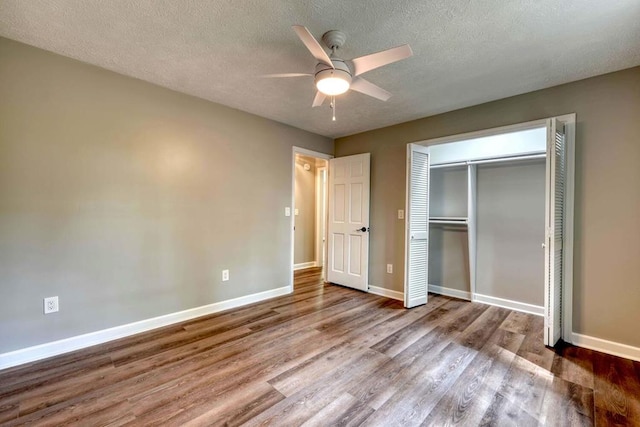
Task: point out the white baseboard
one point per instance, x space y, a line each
304 265
605 346
384 292
42 351
538 310
455 293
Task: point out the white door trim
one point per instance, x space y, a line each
321 214
305 152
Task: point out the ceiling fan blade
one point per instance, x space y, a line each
312 44
364 86
319 99
375 60
271 76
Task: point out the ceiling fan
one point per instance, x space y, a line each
333 75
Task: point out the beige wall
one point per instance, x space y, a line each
127 200
305 202
607 229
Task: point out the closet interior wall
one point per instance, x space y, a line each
448 243
510 225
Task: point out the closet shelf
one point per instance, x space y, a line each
448 220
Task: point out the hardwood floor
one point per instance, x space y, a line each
327 355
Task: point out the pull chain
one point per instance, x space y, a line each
333 108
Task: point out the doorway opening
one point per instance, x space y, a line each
309 211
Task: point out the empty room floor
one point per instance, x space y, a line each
327 355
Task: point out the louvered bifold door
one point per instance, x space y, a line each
554 256
417 226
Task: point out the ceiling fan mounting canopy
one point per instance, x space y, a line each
334 39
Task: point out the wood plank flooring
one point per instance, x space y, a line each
328 355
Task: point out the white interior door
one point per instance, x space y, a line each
348 228
555 219
417 226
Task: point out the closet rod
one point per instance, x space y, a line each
507 159
448 165
494 160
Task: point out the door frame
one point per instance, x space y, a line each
569 121
321 215
305 152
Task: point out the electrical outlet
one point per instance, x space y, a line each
51 305
287 211
225 275
400 214
390 268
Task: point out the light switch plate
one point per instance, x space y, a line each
296 212
287 211
390 268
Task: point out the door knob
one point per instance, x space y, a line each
363 229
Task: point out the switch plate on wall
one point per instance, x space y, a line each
400 214
390 268
51 305
287 211
225 275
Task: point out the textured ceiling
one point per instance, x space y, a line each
465 52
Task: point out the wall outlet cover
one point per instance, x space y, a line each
390 268
400 213
225 275
51 305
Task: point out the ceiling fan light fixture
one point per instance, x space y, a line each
333 82
332 86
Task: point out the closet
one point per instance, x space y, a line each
486 218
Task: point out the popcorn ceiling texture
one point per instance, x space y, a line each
466 52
